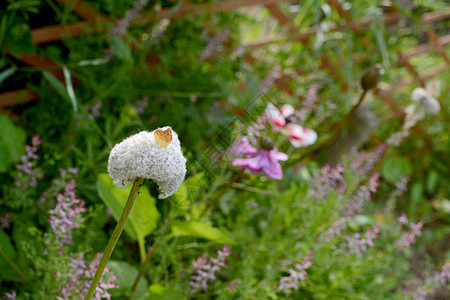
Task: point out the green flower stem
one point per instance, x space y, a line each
12 264
379 163
115 236
314 149
144 265
221 193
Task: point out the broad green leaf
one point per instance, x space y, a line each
144 215
121 49
156 289
159 292
69 87
12 142
5 74
201 230
395 168
417 191
7 247
188 192
127 274
8 250
432 180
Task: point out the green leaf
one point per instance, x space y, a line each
201 230
395 168
59 87
69 87
417 191
187 192
18 37
432 180
5 74
144 215
156 289
159 292
8 250
12 142
127 274
121 49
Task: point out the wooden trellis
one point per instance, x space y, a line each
93 19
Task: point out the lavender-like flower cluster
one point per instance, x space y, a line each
205 268
330 179
141 105
78 279
10 296
66 216
5 221
363 162
363 194
357 244
122 25
408 238
440 279
28 174
93 110
296 274
215 42
309 104
269 80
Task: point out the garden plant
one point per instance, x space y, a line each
249 149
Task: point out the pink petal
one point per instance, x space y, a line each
275 155
244 147
287 110
299 136
274 116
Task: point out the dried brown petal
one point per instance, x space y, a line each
163 137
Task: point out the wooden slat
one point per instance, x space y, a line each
56 32
441 42
435 16
16 97
193 9
307 34
85 11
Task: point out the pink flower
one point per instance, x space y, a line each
299 136
296 275
258 160
205 268
284 120
278 117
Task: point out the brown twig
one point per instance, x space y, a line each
221 193
313 150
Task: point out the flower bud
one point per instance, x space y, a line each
266 143
371 77
153 155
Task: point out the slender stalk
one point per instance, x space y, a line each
224 189
115 237
13 265
143 265
347 118
379 162
335 132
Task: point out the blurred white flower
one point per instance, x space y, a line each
153 155
423 103
426 97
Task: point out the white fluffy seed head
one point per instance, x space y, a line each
426 100
140 156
